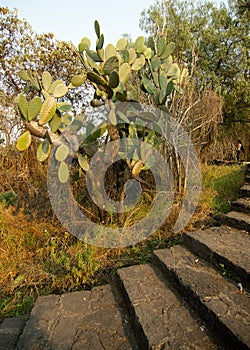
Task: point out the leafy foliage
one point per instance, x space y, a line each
213 41
111 72
23 51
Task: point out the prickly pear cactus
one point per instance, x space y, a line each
112 71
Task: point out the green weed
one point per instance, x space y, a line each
221 185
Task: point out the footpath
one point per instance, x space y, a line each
190 296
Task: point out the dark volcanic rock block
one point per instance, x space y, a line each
236 219
226 247
218 302
10 330
242 205
245 191
80 320
160 320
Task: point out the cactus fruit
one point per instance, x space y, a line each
137 168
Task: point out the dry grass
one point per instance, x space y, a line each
37 255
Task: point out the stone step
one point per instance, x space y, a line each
236 219
218 302
159 318
10 330
227 248
79 320
245 191
247 178
242 205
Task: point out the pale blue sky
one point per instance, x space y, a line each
71 20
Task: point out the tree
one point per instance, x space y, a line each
22 49
218 40
122 76
182 22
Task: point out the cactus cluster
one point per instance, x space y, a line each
45 110
110 70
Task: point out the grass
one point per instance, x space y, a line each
221 185
38 257
36 261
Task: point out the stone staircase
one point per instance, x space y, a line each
190 296
239 216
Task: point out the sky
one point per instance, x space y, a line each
71 20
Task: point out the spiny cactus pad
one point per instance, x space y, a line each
48 110
24 141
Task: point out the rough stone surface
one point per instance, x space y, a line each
159 318
9 332
236 219
245 191
247 179
226 247
146 311
242 205
224 307
79 320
